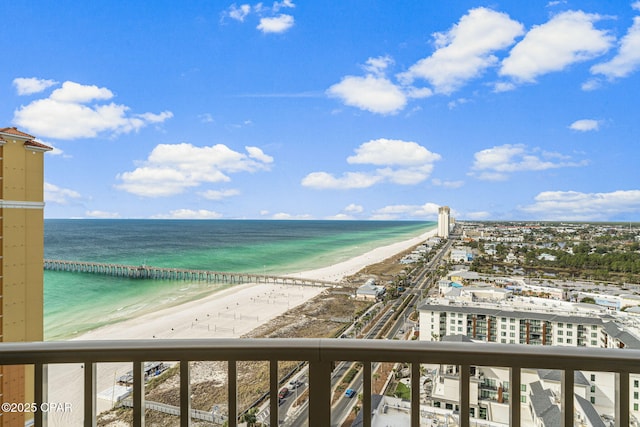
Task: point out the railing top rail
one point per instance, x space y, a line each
324 349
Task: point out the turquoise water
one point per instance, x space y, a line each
75 303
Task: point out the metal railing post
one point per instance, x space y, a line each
232 391
366 394
185 394
320 392
567 397
515 384
622 399
273 393
90 391
465 378
40 392
415 394
138 394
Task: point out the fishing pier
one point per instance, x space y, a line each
176 274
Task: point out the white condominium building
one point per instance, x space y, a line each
443 221
509 326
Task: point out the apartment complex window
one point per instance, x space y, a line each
593 399
635 395
593 377
636 383
593 389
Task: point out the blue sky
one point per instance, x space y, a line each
329 110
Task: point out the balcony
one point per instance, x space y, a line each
320 354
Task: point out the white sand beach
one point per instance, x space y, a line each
229 313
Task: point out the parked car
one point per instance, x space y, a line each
350 393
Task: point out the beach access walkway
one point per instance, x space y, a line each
169 273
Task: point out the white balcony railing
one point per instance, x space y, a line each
320 354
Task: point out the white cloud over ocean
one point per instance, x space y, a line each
171 169
79 111
400 162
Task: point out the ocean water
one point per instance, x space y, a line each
76 302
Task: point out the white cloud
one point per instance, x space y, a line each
56 152
636 5
496 163
269 22
447 184
466 50
64 115
392 152
503 87
407 163
76 93
340 217
372 93
239 12
348 181
277 24
189 214
377 66
219 194
101 214
206 118
585 125
577 206
287 216
173 168
31 85
353 208
282 4
627 59
58 195
393 212
565 39
257 154
591 84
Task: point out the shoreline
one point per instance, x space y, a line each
227 313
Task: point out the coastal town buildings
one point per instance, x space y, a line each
444 221
21 258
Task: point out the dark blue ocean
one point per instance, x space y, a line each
75 302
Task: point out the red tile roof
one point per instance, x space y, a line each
15 131
29 143
38 145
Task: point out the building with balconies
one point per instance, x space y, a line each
21 258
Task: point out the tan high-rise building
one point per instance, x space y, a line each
21 258
444 221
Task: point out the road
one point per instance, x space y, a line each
344 405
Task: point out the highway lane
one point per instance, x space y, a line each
425 279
